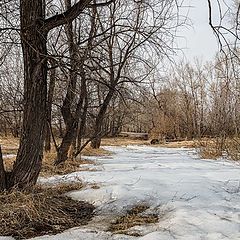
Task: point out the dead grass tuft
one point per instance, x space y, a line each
121 141
217 147
134 217
42 211
9 145
48 167
180 144
88 151
210 148
8 162
233 148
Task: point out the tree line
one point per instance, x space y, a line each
66 64
81 70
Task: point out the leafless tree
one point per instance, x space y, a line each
34 29
139 32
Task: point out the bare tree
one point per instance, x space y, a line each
139 31
34 32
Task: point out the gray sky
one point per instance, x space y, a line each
199 40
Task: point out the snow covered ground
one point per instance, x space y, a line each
196 199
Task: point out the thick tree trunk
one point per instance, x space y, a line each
34 29
29 157
2 173
96 142
62 154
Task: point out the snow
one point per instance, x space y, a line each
196 199
8 156
6 238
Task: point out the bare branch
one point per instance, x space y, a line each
67 16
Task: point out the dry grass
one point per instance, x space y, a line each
210 148
134 217
69 166
210 153
179 144
9 145
233 148
42 211
121 141
88 151
217 147
9 141
8 162
48 167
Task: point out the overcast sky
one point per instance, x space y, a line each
199 40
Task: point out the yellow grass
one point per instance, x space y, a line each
9 145
48 167
233 148
133 217
42 211
88 151
210 148
122 141
184 144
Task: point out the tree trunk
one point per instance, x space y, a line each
96 142
68 116
62 154
47 145
82 125
33 32
49 108
29 157
2 173
71 125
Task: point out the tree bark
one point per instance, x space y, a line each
74 119
34 30
2 173
71 125
34 46
68 116
96 142
82 126
49 108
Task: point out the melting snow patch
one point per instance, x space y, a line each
201 196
